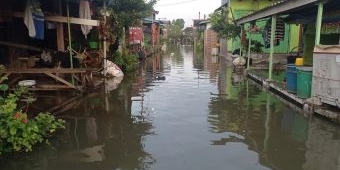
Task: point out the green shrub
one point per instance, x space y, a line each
118 59
20 132
130 61
126 61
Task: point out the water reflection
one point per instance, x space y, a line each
97 136
322 146
185 111
283 137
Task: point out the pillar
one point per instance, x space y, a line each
271 53
318 23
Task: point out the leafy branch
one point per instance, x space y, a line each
223 25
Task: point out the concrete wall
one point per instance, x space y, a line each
155 34
210 41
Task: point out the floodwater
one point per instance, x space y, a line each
185 111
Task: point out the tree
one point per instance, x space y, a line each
179 22
175 32
223 26
124 14
176 29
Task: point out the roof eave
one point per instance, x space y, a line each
275 9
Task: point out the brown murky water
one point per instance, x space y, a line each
183 112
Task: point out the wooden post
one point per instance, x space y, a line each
60 37
318 23
241 40
60 31
104 43
249 47
271 54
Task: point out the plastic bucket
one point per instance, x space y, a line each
299 61
291 78
304 82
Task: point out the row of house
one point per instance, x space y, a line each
309 29
320 34
35 34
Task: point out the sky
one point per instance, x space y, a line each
185 9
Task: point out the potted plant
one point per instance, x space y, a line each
93 39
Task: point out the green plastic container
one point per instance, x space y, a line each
304 82
93 44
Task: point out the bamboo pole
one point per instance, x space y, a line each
69 39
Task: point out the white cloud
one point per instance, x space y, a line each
186 9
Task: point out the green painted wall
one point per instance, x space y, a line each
242 8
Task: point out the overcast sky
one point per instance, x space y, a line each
186 9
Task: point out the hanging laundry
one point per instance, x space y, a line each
279 33
28 19
280 30
85 13
34 19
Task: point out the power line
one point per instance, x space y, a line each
177 3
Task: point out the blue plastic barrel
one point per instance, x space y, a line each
291 78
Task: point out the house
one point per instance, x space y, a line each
164 28
257 30
136 38
320 36
210 39
152 30
187 37
36 33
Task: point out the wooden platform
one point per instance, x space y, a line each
77 78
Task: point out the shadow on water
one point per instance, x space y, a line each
279 132
100 133
185 111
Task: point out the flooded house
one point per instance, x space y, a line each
311 78
54 43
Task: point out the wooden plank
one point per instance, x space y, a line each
62 19
85 73
79 21
23 46
46 70
49 87
53 86
61 80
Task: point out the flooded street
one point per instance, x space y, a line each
185 111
